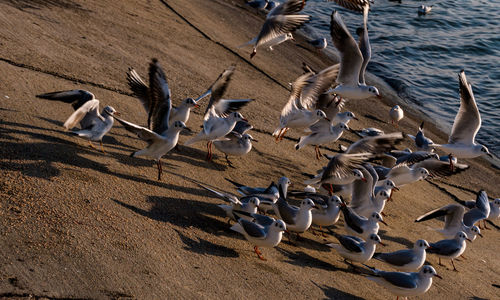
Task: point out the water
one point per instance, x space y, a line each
420 57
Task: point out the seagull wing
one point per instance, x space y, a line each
217 90
356 5
142 132
351 58
160 99
342 165
317 85
77 98
88 114
376 144
139 88
468 121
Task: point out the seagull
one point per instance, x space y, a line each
396 113
248 204
451 248
279 21
455 220
239 142
421 141
221 114
341 169
350 64
405 284
94 125
272 42
408 260
461 142
355 249
321 135
424 9
318 44
344 117
359 225
328 213
146 95
263 231
402 174
364 201
376 144
297 219
265 192
162 137
494 211
296 114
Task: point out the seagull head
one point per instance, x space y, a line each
373 91
358 174
421 245
429 271
374 238
190 102
278 225
321 114
378 218
110 111
334 200
307 204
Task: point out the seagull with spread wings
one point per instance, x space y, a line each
221 115
280 22
461 142
163 136
94 125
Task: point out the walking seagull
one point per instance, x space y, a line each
162 137
94 125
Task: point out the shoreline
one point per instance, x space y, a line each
78 223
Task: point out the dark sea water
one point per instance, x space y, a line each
420 56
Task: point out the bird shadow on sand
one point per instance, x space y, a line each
202 246
183 213
333 293
372 117
303 259
397 239
40 4
307 243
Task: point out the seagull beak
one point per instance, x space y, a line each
438 276
188 129
383 222
379 96
490 155
480 235
382 244
244 119
395 188
116 113
355 118
196 106
469 240
327 119
254 140
364 179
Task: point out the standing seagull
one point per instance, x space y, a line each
162 137
262 231
407 260
461 142
94 125
405 284
239 141
351 62
451 248
280 21
355 249
216 122
318 44
396 113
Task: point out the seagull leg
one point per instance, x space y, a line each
91 145
259 254
454 269
452 167
229 162
462 256
160 170
283 134
322 232
485 227
102 147
440 262
209 151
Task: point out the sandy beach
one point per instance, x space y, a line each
79 224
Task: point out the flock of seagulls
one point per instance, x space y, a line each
367 172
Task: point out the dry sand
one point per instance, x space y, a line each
75 223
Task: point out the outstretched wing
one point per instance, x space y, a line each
161 102
356 5
139 88
218 88
468 121
88 114
143 133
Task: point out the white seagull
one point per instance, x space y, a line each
351 63
221 114
94 125
355 249
421 141
461 142
262 231
359 225
280 20
405 284
407 260
396 113
239 142
163 137
450 249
